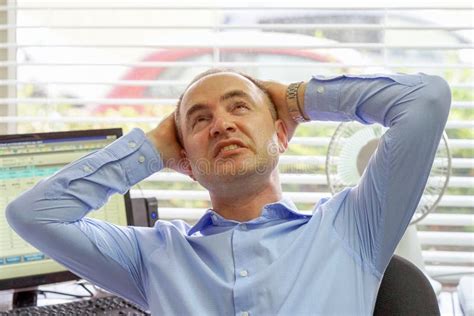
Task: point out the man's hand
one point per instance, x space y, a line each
277 93
165 139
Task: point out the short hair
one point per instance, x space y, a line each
212 71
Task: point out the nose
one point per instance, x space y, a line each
222 125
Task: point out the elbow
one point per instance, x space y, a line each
19 214
438 96
13 214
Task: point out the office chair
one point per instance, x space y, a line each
405 290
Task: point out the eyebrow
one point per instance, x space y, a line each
228 95
195 108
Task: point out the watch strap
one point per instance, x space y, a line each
294 107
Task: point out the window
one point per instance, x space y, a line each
80 65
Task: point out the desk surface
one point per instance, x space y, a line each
448 301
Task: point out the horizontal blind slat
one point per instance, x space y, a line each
292 26
298 197
153 83
440 219
446 238
152 65
454 124
385 8
140 101
457 257
243 46
454 182
450 274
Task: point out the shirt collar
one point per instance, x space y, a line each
284 208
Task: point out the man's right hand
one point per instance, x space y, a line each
165 139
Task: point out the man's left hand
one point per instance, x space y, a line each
277 92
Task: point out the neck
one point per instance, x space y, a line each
244 202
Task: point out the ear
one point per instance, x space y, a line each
185 165
282 134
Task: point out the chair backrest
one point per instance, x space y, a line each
405 290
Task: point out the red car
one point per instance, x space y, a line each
284 64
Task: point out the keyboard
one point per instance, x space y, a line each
109 305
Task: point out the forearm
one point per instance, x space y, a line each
86 183
367 98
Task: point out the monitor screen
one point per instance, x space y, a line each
24 160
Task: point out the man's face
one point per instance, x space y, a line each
228 131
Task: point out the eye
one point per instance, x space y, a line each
240 106
199 119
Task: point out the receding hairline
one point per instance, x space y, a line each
222 71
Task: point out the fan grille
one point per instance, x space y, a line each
350 150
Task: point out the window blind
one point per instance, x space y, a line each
79 66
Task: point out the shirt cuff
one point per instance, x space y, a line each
321 99
137 155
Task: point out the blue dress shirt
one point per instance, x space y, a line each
281 263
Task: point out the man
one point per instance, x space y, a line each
253 253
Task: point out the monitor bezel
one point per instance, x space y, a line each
25 282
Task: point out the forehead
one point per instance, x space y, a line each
211 87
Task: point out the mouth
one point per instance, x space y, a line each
228 148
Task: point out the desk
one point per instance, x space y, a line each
448 301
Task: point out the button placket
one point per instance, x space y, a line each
240 244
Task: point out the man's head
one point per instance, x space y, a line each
228 127
211 71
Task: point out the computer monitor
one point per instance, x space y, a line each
24 160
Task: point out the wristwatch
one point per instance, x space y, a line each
294 106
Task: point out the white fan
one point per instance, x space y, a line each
349 152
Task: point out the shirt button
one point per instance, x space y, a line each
141 159
245 314
86 169
243 226
320 89
243 273
132 144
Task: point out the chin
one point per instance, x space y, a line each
227 171
225 175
